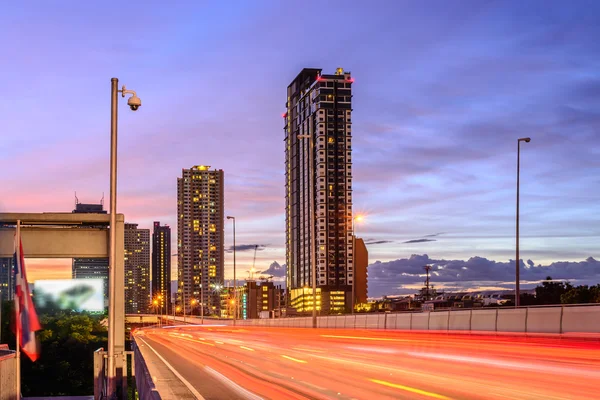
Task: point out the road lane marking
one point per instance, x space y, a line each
410 389
508 364
174 371
311 350
366 338
295 359
216 341
246 394
246 348
196 341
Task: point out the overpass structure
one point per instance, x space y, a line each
72 235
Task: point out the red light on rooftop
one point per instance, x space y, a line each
284 115
351 80
319 79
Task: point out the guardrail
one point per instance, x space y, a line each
100 381
563 319
143 380
8 377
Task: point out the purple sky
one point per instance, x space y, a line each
440 98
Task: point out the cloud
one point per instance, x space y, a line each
435 234
246 247
393 277
379 242
420 241
275 269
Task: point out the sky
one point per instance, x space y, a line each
441 95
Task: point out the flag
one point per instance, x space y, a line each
26 317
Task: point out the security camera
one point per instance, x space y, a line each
134 102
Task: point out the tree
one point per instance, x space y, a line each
550 292
582 294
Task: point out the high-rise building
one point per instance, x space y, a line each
361 255
200 238
319 106
137 269
161 265
91 268
7 283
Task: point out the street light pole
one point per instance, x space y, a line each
134 102
517 264
235 294
112 256
312 215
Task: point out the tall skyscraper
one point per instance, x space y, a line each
7 283
161 265
320 106
200 241
137 269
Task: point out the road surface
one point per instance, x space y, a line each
225 362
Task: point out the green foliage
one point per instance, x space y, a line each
68 341
582 294
550 292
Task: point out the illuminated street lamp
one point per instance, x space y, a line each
518 279
134 103
312 214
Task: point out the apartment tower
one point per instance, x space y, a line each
161 265
320 106
137 269
200 251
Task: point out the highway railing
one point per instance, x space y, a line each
561 319
126 372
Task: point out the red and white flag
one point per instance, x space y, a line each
26 317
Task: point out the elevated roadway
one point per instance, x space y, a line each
225 362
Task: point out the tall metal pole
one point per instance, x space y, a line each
517 264
235 293
111 373
18 314
518 278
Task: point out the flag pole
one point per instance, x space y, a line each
18 312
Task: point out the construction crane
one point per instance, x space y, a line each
266 278
253 264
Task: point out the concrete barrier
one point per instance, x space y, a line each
544 320
438 321
420 321
484 320
460 320
512 320
583 319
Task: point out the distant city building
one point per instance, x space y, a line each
254 298
161 265
137 269
200 241
90 268
320 106
7 284
361 255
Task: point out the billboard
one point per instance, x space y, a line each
70 294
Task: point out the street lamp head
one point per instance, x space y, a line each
526 140
230 217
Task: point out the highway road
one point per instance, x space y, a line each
225 362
